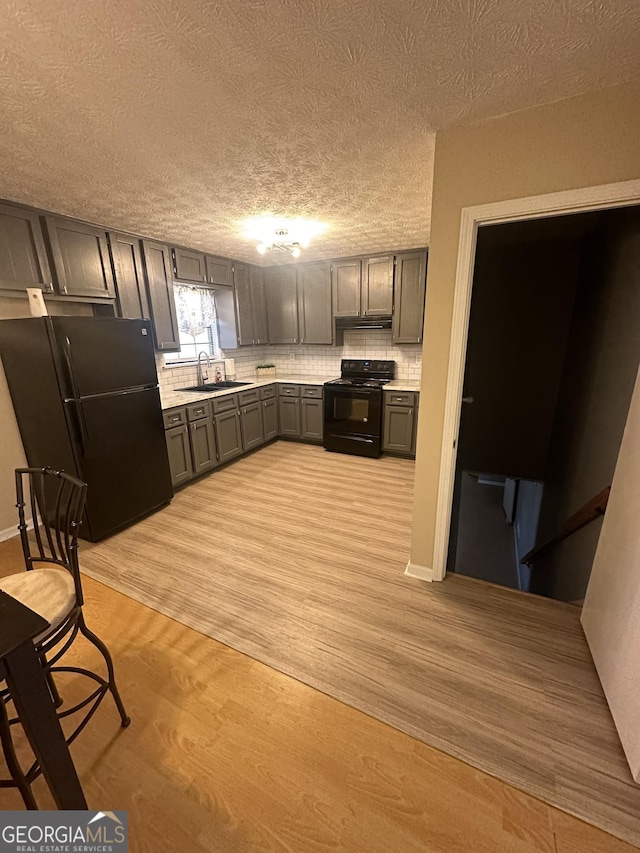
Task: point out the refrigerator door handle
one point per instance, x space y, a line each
84 432
66 351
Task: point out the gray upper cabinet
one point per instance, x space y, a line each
244 309
129 269
226 317
377 285
251 309
158 269
362 286
23 257
345 280
409 294
189 266
219 271
314 303
282 304
81 261
259 305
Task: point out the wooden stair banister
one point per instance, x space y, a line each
595 508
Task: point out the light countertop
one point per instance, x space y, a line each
403 385
171 398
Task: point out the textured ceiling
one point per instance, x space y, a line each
177 119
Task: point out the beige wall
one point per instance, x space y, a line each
610 613
585 141
11 450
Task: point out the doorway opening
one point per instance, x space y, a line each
552 356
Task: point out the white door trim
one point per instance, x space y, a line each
571 201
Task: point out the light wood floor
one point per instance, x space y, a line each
225 755
263 556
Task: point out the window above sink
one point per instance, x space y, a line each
196 311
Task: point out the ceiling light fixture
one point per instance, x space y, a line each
281 241
284 235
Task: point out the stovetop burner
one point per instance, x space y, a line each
360 383
365 373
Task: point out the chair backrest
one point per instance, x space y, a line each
57 500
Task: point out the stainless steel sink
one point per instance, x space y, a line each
214 386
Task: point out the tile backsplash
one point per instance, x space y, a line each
311 361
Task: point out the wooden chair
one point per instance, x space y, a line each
51 586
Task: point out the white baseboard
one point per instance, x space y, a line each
10 532
422 573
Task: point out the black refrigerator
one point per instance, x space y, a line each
85 393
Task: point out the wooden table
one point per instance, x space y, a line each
20 666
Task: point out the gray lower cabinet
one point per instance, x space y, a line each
179 452
399 423
228 435
251 420
408 299
23 257
269 418
203 445
289 412
191 443
311 419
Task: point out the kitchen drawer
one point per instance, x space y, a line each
198 410
174 417
246 397
312 391
288 390
399 398
225 404
268 392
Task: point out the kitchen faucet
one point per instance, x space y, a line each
201 379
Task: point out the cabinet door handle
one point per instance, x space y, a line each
410 411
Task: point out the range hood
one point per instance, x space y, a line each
381 322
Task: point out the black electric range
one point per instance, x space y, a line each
353 407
